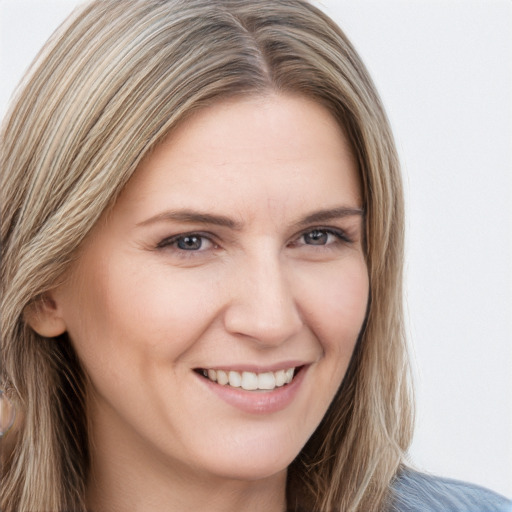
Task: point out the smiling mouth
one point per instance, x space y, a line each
250 381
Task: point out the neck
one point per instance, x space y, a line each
232 496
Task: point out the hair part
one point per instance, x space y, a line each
111 83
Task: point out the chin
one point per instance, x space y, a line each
251 463
250 470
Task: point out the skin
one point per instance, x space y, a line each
270 288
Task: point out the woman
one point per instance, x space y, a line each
202 231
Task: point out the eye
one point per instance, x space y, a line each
323 237
190 242
316 237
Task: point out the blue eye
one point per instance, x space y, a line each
189 242
323 237
316 237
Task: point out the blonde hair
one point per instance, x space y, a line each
107 87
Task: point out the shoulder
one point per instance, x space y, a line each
419 492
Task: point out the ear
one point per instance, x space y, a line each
45 317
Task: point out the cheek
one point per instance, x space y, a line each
335 303
136 314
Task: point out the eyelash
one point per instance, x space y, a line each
168 243
340 235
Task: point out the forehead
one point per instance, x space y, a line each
273 151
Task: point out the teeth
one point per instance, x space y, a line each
222 377
251 381
235 379
280 378
266 381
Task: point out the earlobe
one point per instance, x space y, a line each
44 317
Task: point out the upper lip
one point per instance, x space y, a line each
255 368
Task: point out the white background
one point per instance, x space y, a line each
444 71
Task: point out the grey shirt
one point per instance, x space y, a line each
419 492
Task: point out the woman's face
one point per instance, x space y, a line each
235 252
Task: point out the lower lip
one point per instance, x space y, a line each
258 402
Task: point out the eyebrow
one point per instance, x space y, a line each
198 217
193 217
330 214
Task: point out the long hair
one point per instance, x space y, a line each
110 84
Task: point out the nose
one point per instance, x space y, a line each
262 305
